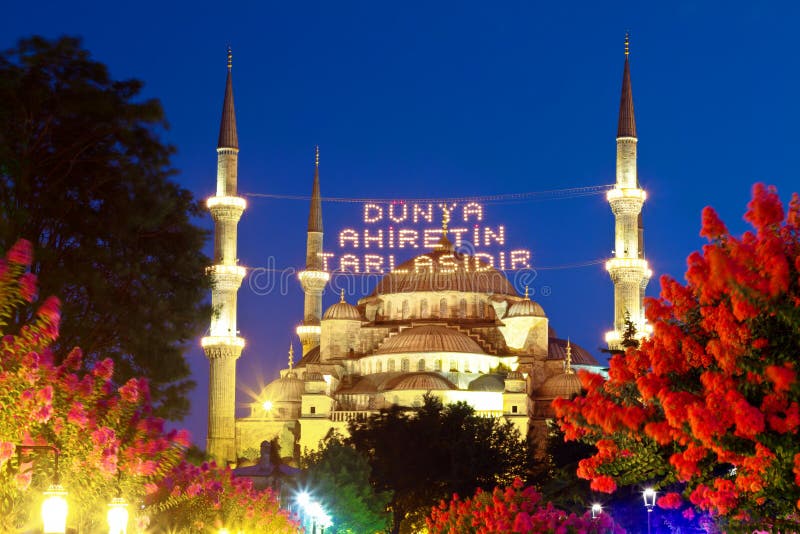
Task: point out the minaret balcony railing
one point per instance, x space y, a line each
313 280
222 341
626 192
227 270
228 202
308 330
629 263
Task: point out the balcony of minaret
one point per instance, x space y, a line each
626 201
313 281
226 208
222 346
624 270
226 278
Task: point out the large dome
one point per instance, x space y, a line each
564 385
286 389
430 338
427 272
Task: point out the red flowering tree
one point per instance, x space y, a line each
513 509
207 498
106 437
707 408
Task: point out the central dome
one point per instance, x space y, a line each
430 338
445 270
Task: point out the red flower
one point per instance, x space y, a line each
670 501
604 484
783 376
21 253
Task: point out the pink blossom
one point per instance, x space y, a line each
130 391
27 287
77 415
103 369
24 475
21 253
6 451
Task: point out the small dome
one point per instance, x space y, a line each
430 338
525 308
488 383
342 310
564 385
286 389
420 381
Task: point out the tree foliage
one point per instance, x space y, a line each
86 178
341 476
512 509
428 454
707 409
106 436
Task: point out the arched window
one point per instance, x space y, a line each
443 308
379 367
438 364
388 309
423 308
466 367
462 308
405 310
421 364
404 365
482 309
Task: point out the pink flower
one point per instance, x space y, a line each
103 369
24 475
27 287
21 253
6 451
77 415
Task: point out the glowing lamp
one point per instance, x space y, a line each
649 496
117 516
303 499
54 510
597 509
267 405
223 531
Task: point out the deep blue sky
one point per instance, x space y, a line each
410 99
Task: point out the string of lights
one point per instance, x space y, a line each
530 196
339 272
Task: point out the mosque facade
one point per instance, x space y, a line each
443 323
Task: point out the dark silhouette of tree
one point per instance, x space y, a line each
425 455
85 176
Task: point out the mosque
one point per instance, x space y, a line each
442 323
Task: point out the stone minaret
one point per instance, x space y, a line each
313 278
628 268
223 344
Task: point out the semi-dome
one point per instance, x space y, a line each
342 310
286 389
445 270
562 385
488 383
525 308
420 381
430 338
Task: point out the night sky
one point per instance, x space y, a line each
457 99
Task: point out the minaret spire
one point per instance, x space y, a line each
313 278
628 269
222 345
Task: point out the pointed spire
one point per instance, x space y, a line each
227 126
444 242
341 296
568 360
627 121
526 292
315 213
291 357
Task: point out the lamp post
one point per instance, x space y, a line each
117 516
597 509
54 507
649 496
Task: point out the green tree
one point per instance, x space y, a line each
86 178
426 455
341 475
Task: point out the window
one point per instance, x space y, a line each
313 409
379 367
405 310
388 309
443 308
421 364
390 366
404 365
423 308
462 308
438 365
513 409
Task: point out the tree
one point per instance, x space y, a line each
707 408
341 475
515 509
86 178
425 455
106 436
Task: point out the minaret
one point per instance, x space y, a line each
313 278
223 344
628 268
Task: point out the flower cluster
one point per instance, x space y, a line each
514 509
710 401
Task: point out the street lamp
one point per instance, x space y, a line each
117 516
597 509
54 507
649 496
